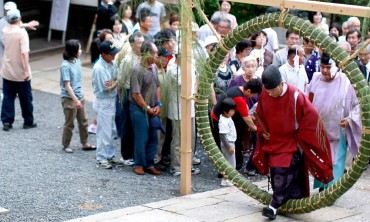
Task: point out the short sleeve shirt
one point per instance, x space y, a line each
226 126
145 82
157 11
16 43
102 72
235 94
280 57
71 72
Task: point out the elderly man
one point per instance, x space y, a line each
224 27
335 99
16 72
3 23
289 140
205 31
124 69
145 103
354 23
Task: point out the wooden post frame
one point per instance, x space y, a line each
333 8
186 81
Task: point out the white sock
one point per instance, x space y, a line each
272 208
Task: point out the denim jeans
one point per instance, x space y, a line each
10 91
118 119
105 110
146 139
127 136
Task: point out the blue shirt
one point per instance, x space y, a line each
103 72
71 72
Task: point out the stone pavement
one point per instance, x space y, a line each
227 204
231 205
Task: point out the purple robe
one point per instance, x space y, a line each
336 100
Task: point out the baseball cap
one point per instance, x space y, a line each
13 15
108 47
10 5
163 52
155 123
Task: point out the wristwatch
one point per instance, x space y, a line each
146 108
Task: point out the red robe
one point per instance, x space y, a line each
277 116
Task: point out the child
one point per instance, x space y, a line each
72 96
227 134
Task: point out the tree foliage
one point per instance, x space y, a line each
243 12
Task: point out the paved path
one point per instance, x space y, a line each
46 75
231 205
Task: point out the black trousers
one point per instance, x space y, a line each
288 182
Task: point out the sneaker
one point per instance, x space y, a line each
268 212
226 183
104 164
250 173
29 126
195 171
176 173
196 161
115 162
128 162
91 129
7 126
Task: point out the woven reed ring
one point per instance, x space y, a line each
305 29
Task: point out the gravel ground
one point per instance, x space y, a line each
40 182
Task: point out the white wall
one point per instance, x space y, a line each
1 8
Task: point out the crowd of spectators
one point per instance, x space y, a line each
298 61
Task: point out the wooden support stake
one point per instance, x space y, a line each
333 8
186 81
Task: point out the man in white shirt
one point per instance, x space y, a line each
158 13
293 72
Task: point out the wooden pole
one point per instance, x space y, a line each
186 81
342 9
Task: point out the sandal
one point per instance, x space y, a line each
90 147
68 150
